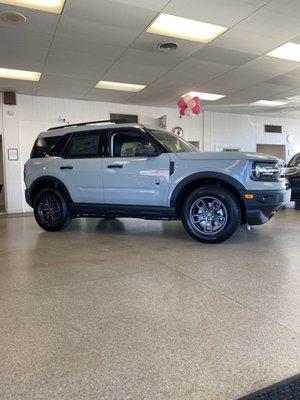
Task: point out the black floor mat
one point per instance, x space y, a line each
288 389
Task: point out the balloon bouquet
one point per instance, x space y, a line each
189 106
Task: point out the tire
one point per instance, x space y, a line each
51 210
211 214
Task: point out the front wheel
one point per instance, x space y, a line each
51 211
211 214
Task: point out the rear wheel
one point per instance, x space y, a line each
211 214
51 210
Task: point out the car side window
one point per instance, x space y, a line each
84 145
296 161
127 144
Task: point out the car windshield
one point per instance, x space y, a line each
172 142
295 161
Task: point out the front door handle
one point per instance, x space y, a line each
115 166
66 167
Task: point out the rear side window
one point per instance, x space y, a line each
85 145
50 146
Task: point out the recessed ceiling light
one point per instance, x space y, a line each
167 46
12 17
124 87
53 6
269 103
205 96
19 74
289 51
185 28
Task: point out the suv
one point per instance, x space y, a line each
117 169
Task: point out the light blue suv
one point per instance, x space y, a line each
108 169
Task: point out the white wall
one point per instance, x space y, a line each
21 124
245 131
2 201
34 114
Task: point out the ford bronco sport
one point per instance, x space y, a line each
109 169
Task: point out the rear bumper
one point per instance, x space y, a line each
265 204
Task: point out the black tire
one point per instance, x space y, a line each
51 210
211 214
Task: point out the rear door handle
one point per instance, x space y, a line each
66 167
115 166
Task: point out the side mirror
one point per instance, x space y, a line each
146 151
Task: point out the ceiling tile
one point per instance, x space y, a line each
63 86
17 37
129 72
76 65
112 13
269 23
36 21
148 58
242 40
149 42
112 96
286 80
83 29
290 8
223 56
22 57
155 5
219 12
18 86
193 72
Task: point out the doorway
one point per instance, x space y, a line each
2 196
276 150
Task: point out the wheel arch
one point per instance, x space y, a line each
194 181
45 182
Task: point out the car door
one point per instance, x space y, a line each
81 168
131 178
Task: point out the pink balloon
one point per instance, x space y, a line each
197 100
182 104
182 111
196 109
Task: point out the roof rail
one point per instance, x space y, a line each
112 121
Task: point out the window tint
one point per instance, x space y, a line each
84 145
126 144
49 146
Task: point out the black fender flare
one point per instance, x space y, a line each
204 175
57 183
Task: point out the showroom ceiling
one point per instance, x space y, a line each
106 40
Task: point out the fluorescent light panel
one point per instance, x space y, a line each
124 87
205 96
289 51
52 6
19 74
269 103
185 28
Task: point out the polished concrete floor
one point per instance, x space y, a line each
132 309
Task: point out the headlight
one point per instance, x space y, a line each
266 171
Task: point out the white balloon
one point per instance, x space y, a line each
188 112
187 98
191 103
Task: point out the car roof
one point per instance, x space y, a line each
90 127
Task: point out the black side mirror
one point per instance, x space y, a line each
146 151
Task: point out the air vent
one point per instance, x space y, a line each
12 17
167 46
273 128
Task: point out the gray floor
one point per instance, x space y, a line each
131 309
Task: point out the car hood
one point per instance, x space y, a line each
214 155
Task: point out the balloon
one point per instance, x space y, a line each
196 109
188 112
182 104
182 111
192 104
196 99
187 98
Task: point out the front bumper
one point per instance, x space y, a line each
265 204
295 186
